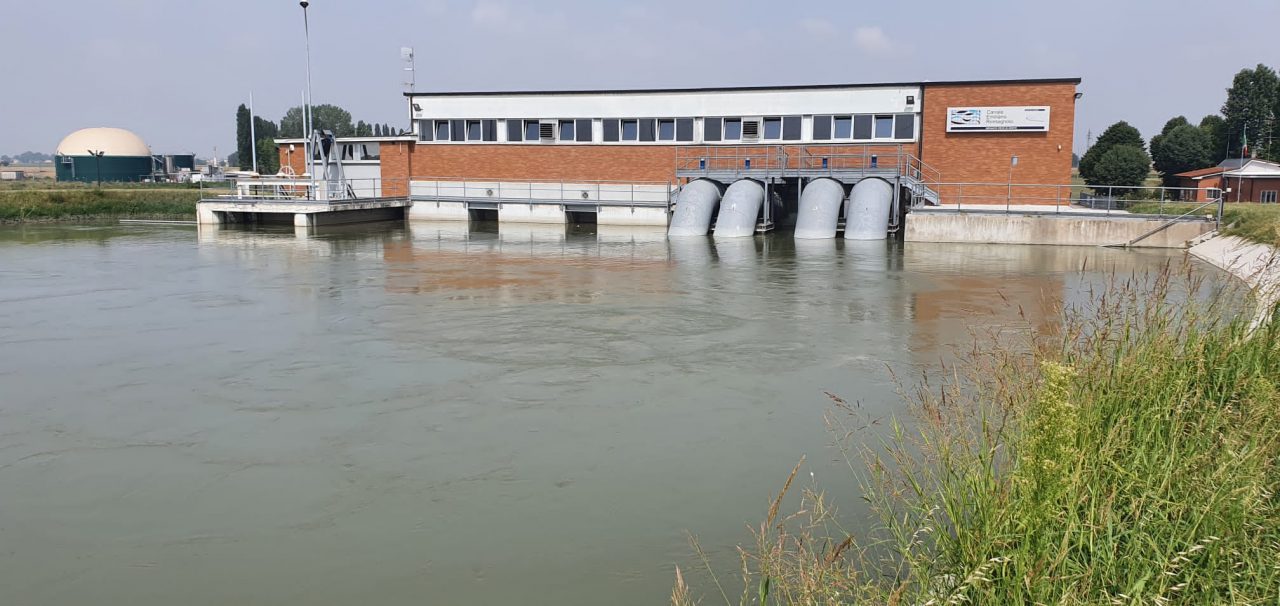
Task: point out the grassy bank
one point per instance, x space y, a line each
1132 458
1256 222
25 205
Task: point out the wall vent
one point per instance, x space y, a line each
750 130
547 132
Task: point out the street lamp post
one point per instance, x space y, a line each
1008 199
306 111
97 164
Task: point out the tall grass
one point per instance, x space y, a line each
1131 458
44 205
1256 222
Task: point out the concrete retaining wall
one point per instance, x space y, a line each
1062 230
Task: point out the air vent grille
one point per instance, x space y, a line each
750 130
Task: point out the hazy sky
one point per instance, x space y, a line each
174 70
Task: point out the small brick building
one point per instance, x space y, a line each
1237 179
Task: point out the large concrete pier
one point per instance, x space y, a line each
1057 229
300 213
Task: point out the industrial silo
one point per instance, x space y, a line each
106 154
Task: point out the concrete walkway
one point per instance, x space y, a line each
1258 265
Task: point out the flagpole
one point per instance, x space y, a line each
253 135
1244 145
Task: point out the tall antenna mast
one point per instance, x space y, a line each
410 74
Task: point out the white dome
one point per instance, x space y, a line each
110 141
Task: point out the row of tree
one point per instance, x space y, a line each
264 132
1249 126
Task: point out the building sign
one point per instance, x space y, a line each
986 119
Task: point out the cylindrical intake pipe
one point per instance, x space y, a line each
819 209
740 209
695 204
869 206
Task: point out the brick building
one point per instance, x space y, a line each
1241 180
622 156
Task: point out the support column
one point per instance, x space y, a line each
204 216
303 220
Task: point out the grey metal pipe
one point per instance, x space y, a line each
819 209
868 214
695 205
740 209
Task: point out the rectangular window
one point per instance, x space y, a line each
772 128
566 130
531 130
884 127
473 130
583 129
822 128
442 130
791 128
457 130
610 127
843 127
490 130
1268 196
684 129
425 130
515 130
711 129
647 130
904 126
630 130
666 130
733 129
862 127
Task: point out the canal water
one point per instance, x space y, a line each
437 414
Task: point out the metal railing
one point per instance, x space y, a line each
301 189
1038 198
829 159
733 158
588 193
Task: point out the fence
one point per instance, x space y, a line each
543 192
1065 199
302 189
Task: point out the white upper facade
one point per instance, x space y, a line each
669 104
821 114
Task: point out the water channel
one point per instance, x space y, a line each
437 414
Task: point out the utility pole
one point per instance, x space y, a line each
97 164
307 117
253 136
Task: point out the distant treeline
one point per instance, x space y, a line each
264 132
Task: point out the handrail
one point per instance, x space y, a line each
1167 224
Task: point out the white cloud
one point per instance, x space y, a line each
872 40
491 14
434 7
818 27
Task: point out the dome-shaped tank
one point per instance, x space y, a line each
103 154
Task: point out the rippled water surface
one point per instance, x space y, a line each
431 414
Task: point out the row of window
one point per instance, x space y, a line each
849 127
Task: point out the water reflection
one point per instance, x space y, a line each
447 413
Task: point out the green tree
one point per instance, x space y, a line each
1215 128
377 130
1120 133
323 117
268 157
1182 149
1121 165
243 138
1250 109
